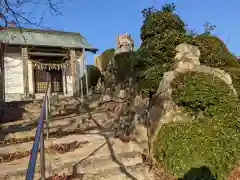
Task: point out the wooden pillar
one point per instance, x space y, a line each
85 70
65 80
81 84
2 79
81 73
33 82
25 72
73 71
2 82
77 82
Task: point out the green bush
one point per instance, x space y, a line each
151 80
181 147
214 52
123 65
200 92
211 141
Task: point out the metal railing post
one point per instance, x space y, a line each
47 106
39 139
42 155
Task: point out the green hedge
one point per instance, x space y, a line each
211 141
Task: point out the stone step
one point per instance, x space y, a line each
136 172
92 136
64 163
71 123
24 126
29 110
101 164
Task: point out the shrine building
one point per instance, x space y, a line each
29 57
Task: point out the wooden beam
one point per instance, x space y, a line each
47 54
47 49
73 71
25 71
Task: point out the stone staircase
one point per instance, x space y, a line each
98 155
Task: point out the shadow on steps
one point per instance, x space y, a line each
111 149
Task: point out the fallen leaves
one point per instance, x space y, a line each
58 134
17 141
57 148
56 177
63 148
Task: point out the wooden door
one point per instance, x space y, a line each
56 80
41 80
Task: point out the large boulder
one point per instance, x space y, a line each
187 59
164 110
187 54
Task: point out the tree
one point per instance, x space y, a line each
14 14
161 32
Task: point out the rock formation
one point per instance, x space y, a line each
164 109
98 63
188 60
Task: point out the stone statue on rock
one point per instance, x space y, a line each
124 43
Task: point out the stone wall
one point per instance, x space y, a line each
2 99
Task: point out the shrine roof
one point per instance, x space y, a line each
47 38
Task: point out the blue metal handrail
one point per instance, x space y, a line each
39 139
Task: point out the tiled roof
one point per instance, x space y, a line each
38 37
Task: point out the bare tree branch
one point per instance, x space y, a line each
14 13
19 13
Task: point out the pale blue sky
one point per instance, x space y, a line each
101 20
